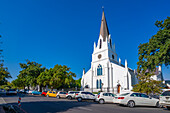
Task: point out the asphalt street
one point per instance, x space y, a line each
40 104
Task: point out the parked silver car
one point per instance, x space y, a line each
136 99
105 97
164 99
82 95
71 94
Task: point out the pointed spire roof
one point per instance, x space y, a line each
104 31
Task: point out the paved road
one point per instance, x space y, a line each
39 104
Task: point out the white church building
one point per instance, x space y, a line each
106 73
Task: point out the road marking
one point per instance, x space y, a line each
83 108
2 101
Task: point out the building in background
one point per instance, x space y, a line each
106 73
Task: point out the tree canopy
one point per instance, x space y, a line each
57 77
154 53
29 73
4 74
33 74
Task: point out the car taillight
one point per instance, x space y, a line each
76 94
121 97
98 96
66 93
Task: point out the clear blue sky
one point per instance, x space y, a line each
62 32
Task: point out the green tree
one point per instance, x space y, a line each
57 77
152 54
78 83
30 72
4 74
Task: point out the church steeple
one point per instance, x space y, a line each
103 28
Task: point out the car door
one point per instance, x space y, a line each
63 95
136 98
54 94
106 97
111 97
146 101
50 93
92 96
83 95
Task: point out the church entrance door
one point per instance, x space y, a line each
118 88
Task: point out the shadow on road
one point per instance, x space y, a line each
51 106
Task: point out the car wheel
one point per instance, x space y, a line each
158 105
69 97
58 96
79 99
47 95
131 104
101 101
168 107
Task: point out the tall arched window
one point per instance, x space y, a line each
100 46
100 83
97 84
99 70
110 43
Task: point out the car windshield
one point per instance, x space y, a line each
166 93
124 94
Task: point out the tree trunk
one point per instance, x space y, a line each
40 88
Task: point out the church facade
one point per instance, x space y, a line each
106 73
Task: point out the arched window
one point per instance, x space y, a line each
100 46
99 70
110 43
97 84
100 83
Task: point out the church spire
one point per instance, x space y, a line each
104 29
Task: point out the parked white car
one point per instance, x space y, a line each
164 99
61 94
2 92
82 95
11 91
30 91
136 99
105 97
71 94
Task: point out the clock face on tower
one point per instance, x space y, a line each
99 56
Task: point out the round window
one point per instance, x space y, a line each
99 56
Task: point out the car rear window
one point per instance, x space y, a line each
83 92
71 92
144 96
62 92
105 94
166 93
124 94
135 95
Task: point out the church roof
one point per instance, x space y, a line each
104 31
